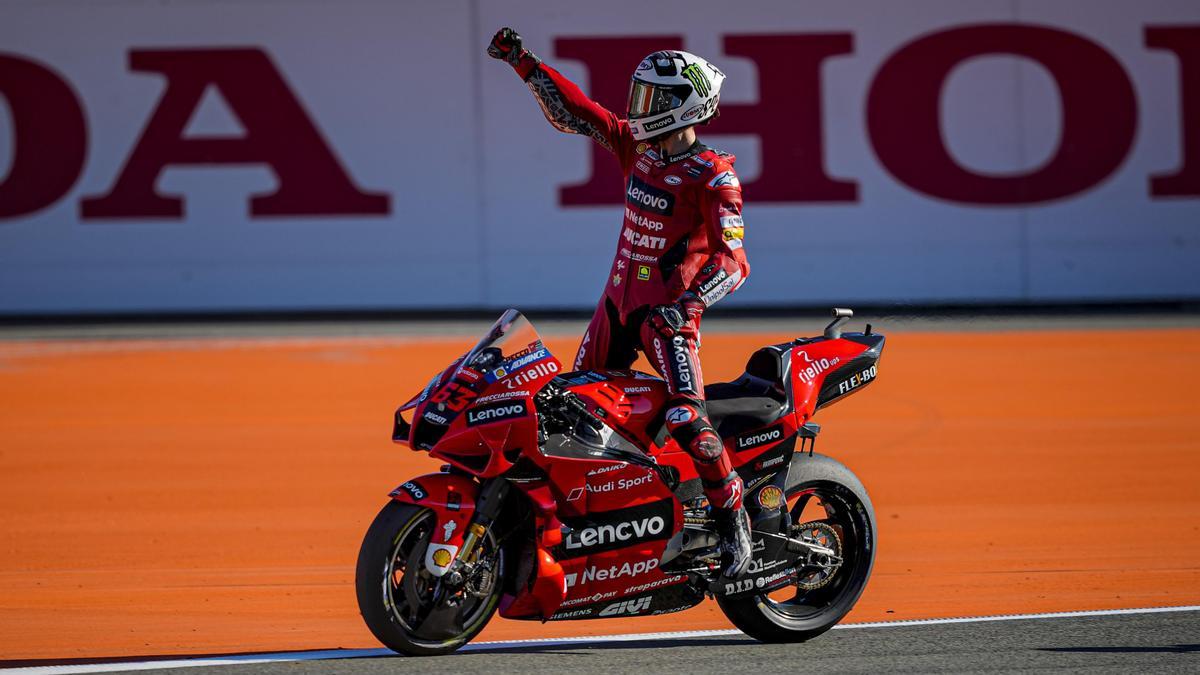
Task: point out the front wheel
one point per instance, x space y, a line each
830 507
408 609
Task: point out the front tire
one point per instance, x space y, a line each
796 614
399 599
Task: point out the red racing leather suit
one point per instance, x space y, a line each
682 232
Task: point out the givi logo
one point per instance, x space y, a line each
635 606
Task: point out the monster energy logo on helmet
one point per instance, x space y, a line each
696 76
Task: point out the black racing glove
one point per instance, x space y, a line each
669 320
506 46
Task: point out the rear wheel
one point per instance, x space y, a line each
829 507
408 609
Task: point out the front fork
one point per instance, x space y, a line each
487 509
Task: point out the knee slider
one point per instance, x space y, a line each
687 421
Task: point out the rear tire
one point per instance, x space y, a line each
402 531
813 612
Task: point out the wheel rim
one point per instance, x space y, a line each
409 589
843 513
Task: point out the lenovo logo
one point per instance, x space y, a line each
641 195
495 412
759 438
616 529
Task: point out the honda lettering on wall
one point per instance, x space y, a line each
993 151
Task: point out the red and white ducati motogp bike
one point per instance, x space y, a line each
563 497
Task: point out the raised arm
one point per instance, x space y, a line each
566 107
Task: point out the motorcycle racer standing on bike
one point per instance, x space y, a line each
680 249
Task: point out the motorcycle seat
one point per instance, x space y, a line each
753 400
734 408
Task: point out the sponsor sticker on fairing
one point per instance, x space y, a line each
635 606
611 486
610 530
520 362
413 489
857 380
594 597
755 439
610 572
814 367
503 395
496 412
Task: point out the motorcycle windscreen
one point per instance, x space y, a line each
511 352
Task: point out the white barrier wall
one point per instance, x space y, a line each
365 155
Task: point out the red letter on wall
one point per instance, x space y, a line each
787 117
49 137
610 62
1099 114
279 133
1184 41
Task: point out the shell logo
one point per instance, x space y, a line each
770 497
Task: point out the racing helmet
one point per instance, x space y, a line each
672 90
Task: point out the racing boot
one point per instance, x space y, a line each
733 524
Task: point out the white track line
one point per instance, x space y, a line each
279 657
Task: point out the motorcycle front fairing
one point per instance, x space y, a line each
479 414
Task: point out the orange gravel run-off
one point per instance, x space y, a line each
193 496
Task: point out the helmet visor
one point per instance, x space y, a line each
647 100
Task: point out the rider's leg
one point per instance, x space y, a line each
677 359
606 343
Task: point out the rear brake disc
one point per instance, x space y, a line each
817 574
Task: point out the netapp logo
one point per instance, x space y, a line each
643 196
616 529
759 438
495 412
659 124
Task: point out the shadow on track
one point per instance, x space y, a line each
1165 649
332 654
598 645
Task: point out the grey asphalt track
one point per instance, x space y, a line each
1145 643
